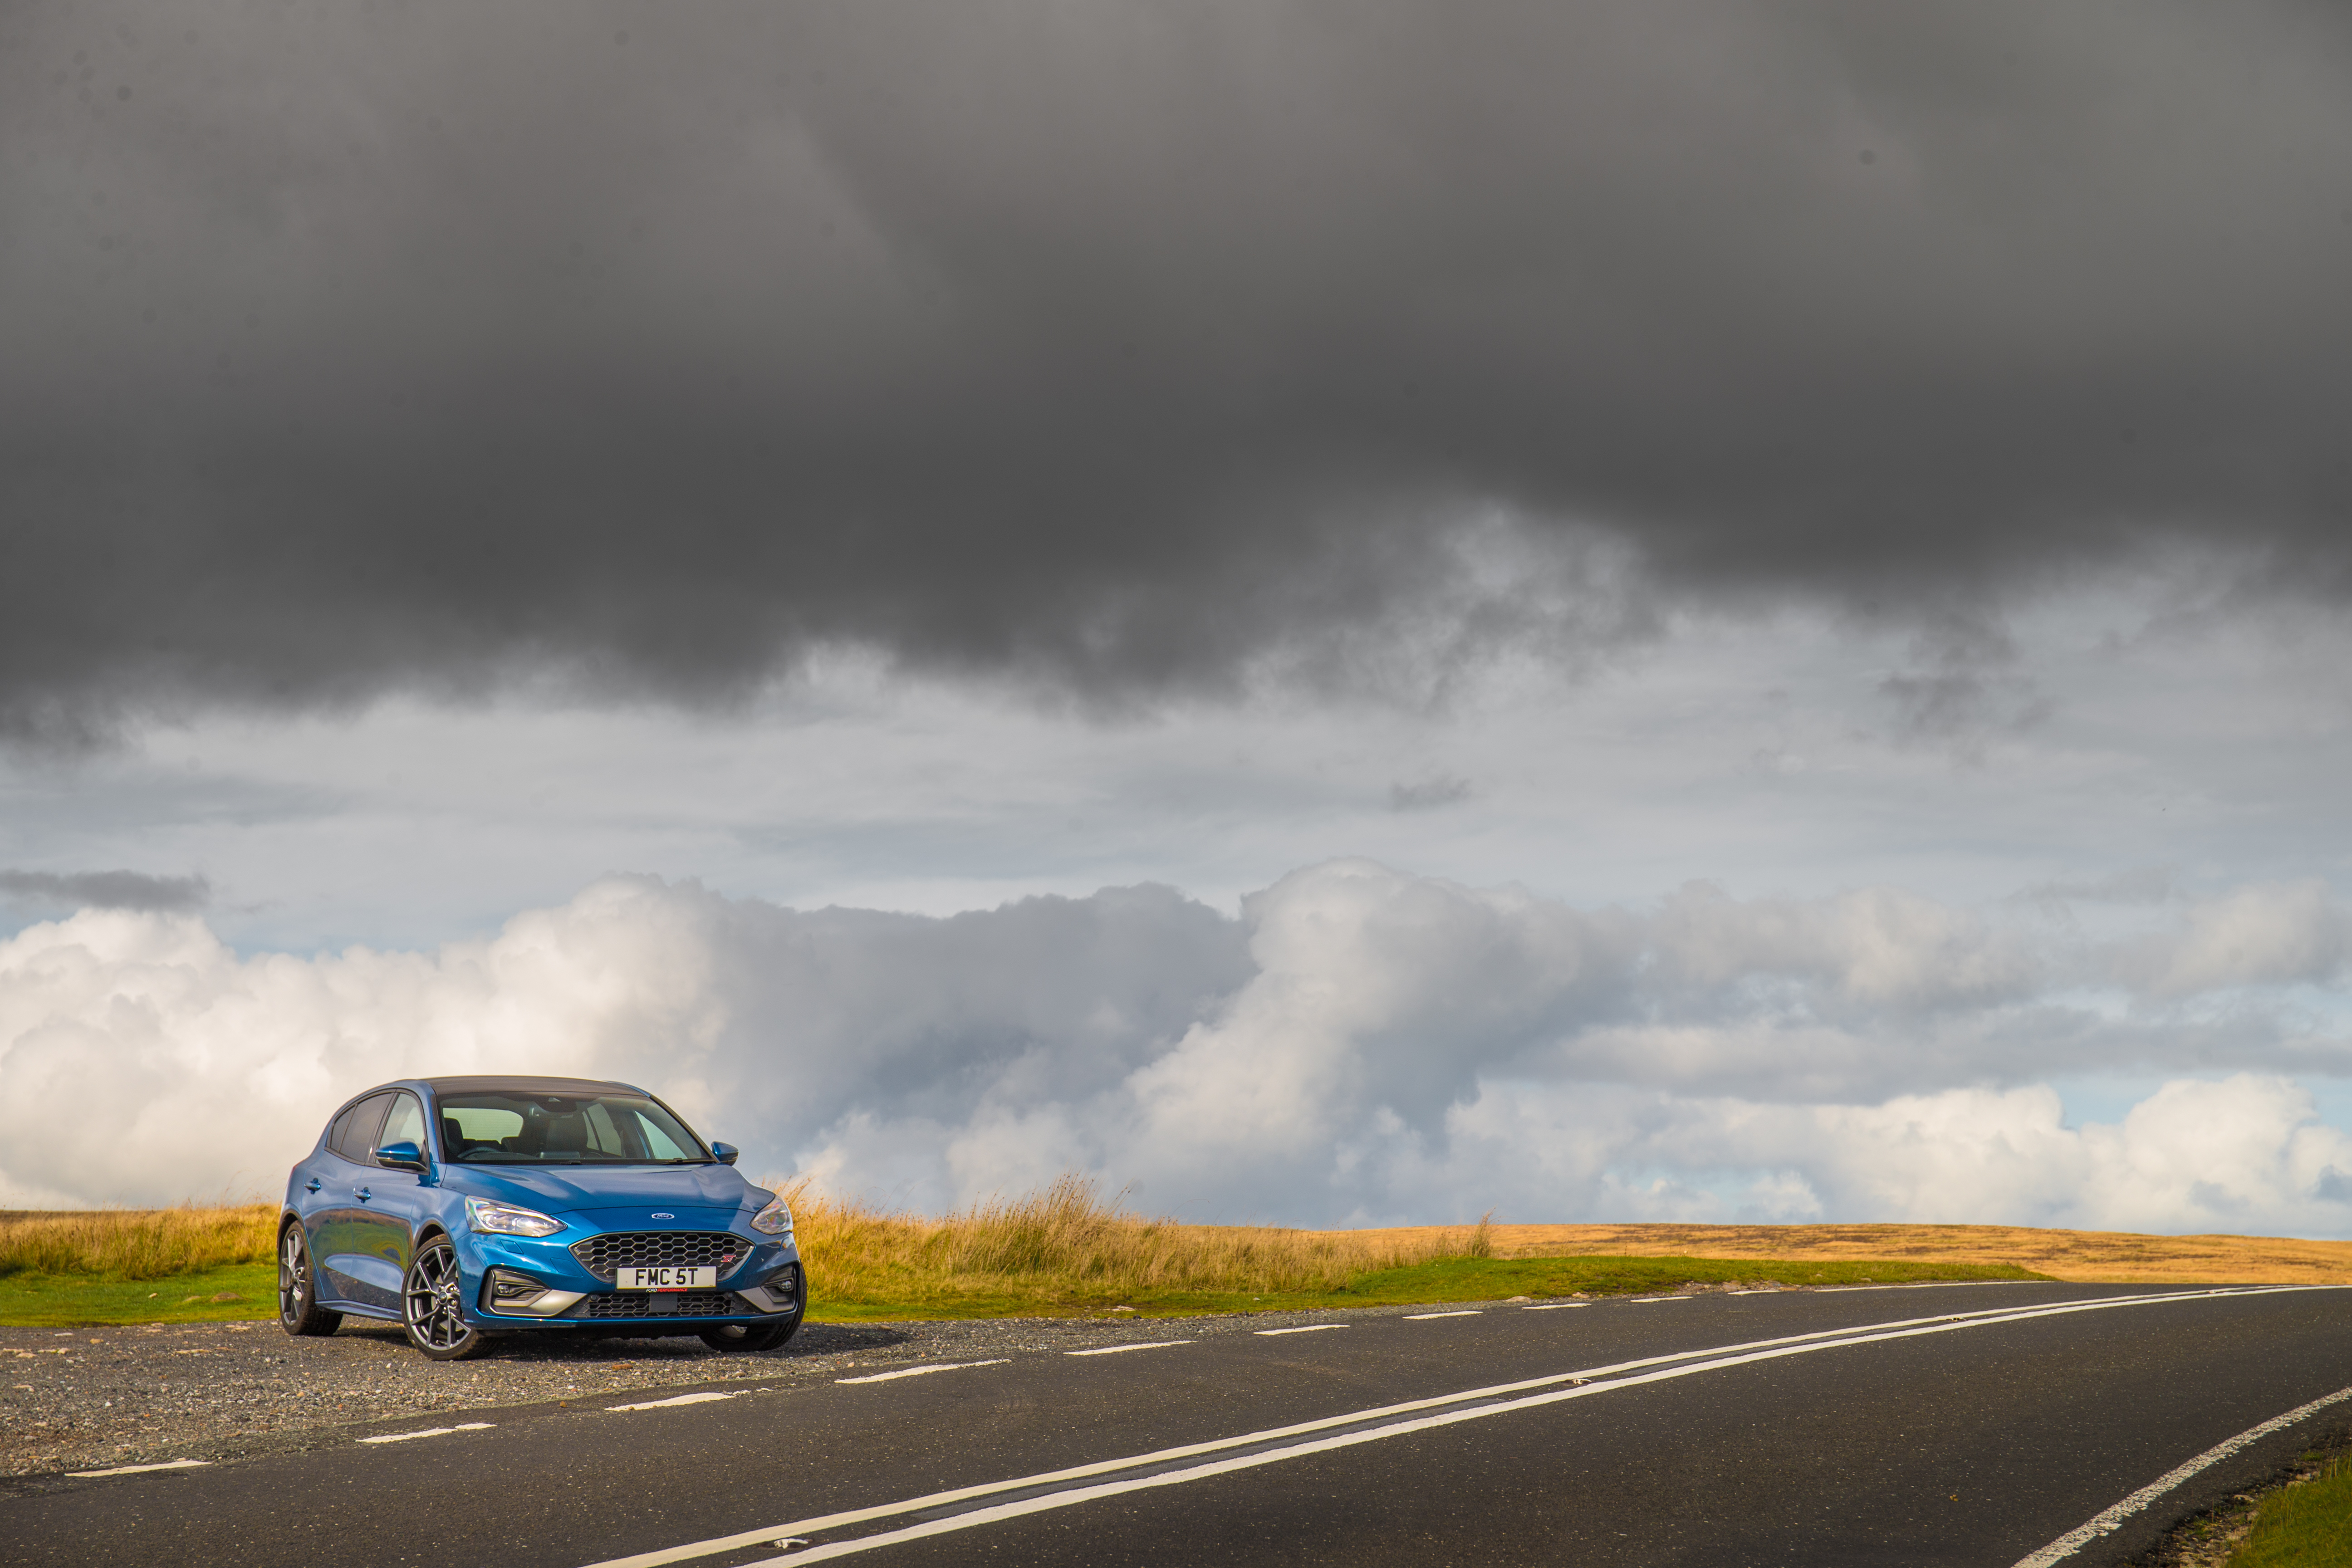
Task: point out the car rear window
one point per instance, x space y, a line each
354 1134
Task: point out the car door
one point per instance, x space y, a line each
385 1218
341 1235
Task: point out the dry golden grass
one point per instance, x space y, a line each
137 1243
2088 1255
1065 1244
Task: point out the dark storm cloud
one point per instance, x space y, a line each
107 890
1130 348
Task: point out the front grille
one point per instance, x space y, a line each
600 1255
679 1304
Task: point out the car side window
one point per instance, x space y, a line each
355 1129
404 1124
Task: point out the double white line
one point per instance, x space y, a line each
1165 1468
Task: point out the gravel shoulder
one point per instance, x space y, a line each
77 1399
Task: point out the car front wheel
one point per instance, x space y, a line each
431 1307
298 1311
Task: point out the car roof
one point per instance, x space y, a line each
512 1085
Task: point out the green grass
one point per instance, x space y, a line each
2309 1526
1446 1280
51 1300
1059 1251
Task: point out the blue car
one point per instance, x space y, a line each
469 1208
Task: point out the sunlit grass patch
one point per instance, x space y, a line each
2306 1526
1063 1248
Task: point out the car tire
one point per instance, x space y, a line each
298 1311
752 1336
433 1307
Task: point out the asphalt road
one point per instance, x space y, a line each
1947 1425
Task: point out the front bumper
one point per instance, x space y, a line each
538 1282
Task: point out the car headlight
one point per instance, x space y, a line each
507 1219
773 1220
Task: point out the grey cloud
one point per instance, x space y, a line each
1963 690
1133 350
1427 794
2137 885
108 890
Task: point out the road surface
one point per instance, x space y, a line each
1984 1425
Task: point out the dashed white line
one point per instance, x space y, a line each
431 1432
919 1370
1424 1316
1121 1350
681 1399
1554 1306
140 1469
1654 1301
1301 1328
2074 1539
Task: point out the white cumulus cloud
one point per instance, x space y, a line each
1358 1044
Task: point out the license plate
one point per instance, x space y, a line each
666 1279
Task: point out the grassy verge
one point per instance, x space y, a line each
1060 1251
1449 1279
2306 1526
51 1300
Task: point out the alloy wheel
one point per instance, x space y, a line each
298 1311
293 1275
436 1322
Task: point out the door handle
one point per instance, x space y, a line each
365 1195
313 1187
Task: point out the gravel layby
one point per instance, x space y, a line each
80 1399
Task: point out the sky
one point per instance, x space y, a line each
1327 615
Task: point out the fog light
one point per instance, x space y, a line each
509 1289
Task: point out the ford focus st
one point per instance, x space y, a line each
467 1208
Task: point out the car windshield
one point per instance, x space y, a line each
521 1129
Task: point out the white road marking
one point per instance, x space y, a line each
919 1370
1121 1350
1424 1316
1727 1355
140 1469
1654 1301
681 1399
1074 1496
1554 1306
1302 1329
431 1432
2074 1539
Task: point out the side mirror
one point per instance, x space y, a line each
400 1156
727 1154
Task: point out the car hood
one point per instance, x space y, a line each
567 1189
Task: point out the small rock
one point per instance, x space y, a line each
224 1296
